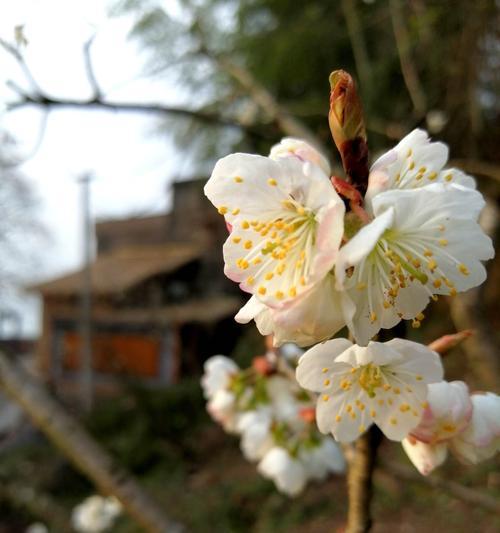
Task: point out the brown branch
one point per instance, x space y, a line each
480 349
359 481
81 449
358 43
89 69
451 488
408 68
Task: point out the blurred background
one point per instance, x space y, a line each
112 115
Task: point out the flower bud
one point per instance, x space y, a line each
348 128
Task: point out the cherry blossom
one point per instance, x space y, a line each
421 243
383 383
286 220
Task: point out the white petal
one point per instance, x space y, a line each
311 372
361 245
288 474
481 438
218 370
290 147
425 457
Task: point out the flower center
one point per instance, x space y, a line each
370 378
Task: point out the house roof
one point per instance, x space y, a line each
122 268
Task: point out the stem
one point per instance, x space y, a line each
359 481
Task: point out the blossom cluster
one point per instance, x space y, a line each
312 268
275 421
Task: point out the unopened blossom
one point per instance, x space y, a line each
413 163
286 220
383 383
467 425
314 317
287 472
421 243
481 438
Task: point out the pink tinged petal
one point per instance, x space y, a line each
318 365
450 410
358 248
481 438
290 147
328 237
425 457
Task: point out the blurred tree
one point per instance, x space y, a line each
419 63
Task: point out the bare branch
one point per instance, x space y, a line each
14 52
358 43
408 68
452 488
90 70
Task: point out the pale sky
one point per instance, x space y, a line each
132 166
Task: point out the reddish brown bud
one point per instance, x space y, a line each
447 342
262 366
308 414
348 128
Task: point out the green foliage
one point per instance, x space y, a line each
291 47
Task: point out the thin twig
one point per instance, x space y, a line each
452 488
408 68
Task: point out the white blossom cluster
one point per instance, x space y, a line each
275 422
312 268
95 514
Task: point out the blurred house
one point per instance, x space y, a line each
160 301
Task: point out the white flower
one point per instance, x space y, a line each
95 514
321 460
448 413
314 317
413 163
287 472
223 409
290 147
218 371
421 243
287 224
481 438
256 437
468 426
383 383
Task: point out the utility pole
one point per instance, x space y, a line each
86 370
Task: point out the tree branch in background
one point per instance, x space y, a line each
466 494
358 43
90 70
480 349
288 124
408 68
81 449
